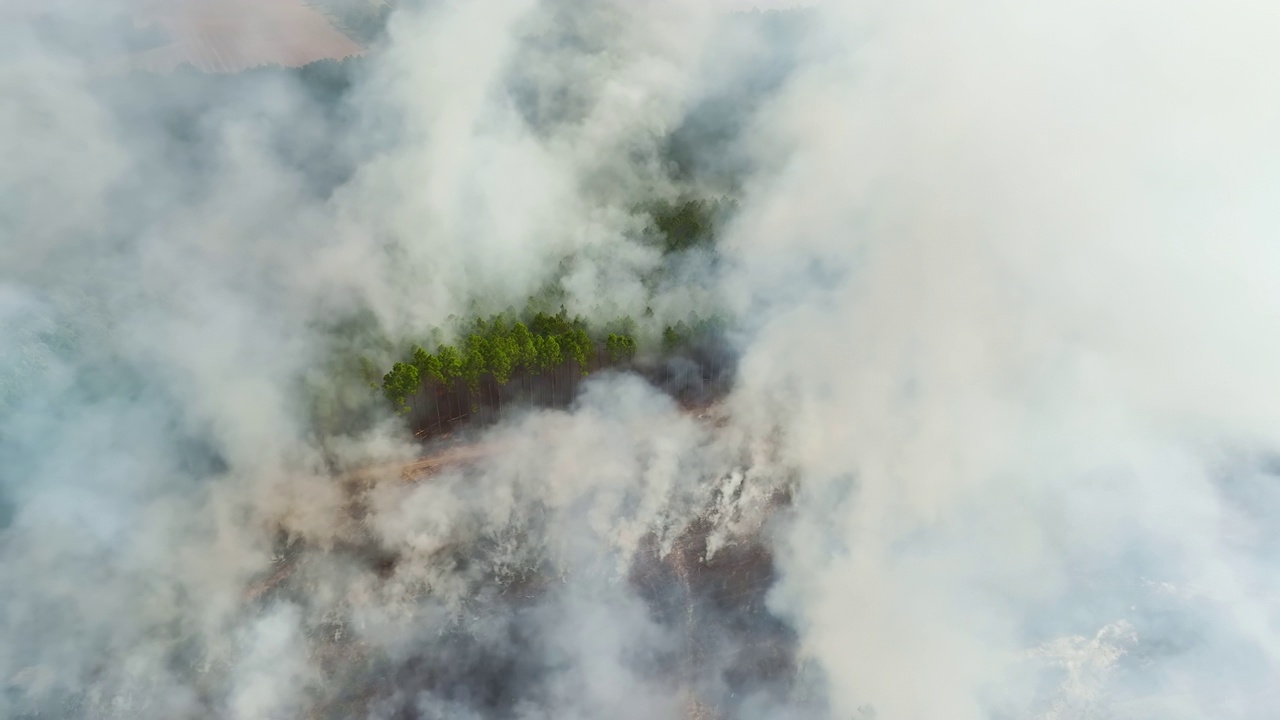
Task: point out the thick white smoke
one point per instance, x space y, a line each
1003 284
1015 288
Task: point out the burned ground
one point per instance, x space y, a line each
491 656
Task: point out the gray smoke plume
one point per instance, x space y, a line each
1000 444
1012 287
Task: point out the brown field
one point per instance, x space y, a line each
704 600
227 36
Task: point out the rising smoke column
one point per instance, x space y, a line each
1013 284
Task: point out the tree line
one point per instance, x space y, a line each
499 346
546 354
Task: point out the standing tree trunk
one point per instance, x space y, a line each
435 401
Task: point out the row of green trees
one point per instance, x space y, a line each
501 345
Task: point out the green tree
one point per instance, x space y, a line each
474 360
688 224
429 368
502 356
428 365
620 347
398 384
550 355
577 345
450 363
671 339
526 354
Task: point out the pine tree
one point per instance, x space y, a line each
671 340
398 384
578 346
473 361
429 366
503 353
430 369
450 363
550 357
620 347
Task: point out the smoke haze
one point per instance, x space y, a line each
1002 441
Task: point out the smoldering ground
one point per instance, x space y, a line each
997 445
